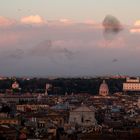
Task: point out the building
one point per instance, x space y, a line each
104 90
47 88
8 133
83 116
18 98
31 107
132 84
9 121
138 103
15 85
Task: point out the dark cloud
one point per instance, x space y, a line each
69 54
42 49
18 54
46 48
115 60
112 27
15 54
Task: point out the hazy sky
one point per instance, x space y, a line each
66 37
126 10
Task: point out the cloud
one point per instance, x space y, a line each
8 38
66 21
33 19
37 48
119 42
42 49
137 23
6 21
115 60
136 27
89 22
61 22
112 27
48 48
16 54
135 30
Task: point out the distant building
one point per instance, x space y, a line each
132 84
83 116
47 88
104 90
31 107
15 85
138 103
9 121
18 98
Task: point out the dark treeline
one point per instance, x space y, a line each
62 85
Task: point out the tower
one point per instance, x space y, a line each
46 90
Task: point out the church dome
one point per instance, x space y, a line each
15 85
103 91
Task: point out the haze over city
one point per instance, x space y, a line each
68 38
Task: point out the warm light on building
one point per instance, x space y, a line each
132 84
104 90
15 85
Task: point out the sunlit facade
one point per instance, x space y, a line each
104 90
132 84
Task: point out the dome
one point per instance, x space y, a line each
103 91
15 85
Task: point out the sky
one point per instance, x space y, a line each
67 37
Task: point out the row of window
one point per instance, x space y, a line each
131 86
8 121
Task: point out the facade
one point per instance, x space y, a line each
132 84
83 116
32 107
47 88
18 98
52 118
138 103
104 90
9 121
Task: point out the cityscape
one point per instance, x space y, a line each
55 110
69 70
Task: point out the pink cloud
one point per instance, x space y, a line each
90 22
137 23
117 43
135 30
6 21
33 19
136 27
8 39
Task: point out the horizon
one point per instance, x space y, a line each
67 76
